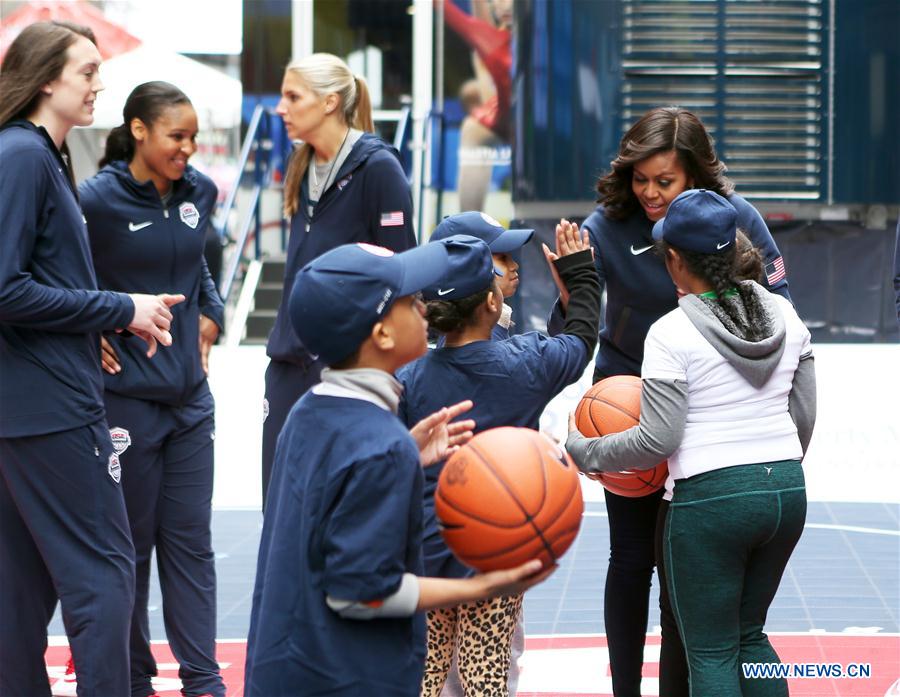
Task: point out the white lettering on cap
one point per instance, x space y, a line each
384 300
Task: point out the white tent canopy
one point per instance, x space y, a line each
215 96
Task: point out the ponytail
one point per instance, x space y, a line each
743 311
361 114
119 146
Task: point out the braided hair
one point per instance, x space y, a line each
742 314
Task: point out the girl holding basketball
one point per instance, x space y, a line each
510 383
668 151
729 399
147 202
343 185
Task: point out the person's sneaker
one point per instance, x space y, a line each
70 670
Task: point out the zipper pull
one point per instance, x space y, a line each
166 213
96 451
307 227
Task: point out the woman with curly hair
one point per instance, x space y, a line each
668 151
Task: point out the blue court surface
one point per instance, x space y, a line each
839 601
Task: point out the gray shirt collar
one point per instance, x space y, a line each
369 384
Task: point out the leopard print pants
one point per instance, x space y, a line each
483 632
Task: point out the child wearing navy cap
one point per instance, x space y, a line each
729 400
510 383
339 576
503 244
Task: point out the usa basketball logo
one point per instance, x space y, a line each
189 214
114 469
121 439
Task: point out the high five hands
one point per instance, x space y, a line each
569 240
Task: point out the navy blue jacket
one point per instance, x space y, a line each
638 288
369 185
141 246
51 312
510 382
344 520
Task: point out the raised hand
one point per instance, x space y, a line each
437 438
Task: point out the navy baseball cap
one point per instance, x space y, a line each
484 227
699 220
470 269
338 297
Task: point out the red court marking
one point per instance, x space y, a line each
881 651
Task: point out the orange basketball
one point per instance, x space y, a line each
509 495
611 406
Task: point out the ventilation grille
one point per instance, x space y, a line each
751 70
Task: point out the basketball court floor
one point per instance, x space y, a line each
838 607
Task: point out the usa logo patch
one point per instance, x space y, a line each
114 468
189 214
121 439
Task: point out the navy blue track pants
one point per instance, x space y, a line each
64 535
167 476
285 384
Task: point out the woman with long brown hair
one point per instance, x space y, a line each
665 153
343 185
63 527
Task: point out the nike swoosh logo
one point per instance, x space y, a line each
444 292
641 250
722 246
139 226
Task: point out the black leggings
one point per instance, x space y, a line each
635 536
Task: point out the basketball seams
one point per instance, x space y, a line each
601 402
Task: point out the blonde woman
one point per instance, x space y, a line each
343 185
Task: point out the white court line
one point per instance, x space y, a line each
853 528
817 526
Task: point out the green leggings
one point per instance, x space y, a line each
728 537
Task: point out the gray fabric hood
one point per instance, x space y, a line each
726 325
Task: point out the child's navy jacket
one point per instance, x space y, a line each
510 383
51 312
369 201
141 245
343 519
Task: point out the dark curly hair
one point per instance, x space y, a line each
662 130
448 316
748 263
743 313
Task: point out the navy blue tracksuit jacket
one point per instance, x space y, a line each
130 229
369 187
51 313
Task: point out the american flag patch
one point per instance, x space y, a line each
775 271
392 219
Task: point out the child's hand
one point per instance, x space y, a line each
573 424
514 581
560 286
437 438
109 359
570 240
